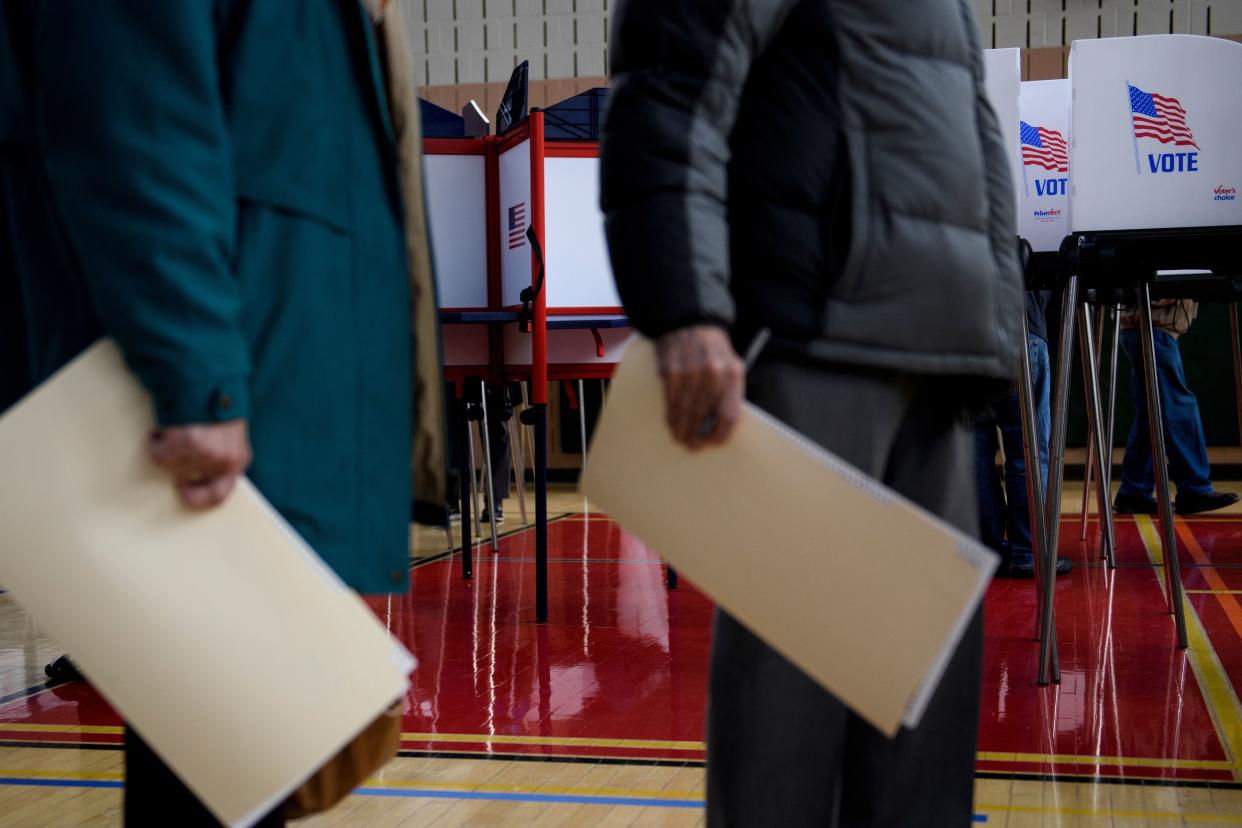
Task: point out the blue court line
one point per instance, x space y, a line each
62 783
27 693
420 793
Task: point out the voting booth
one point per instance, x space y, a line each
1154 167
1003 85
485 197
525 287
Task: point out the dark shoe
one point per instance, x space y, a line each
486 517
1026 569
1193 504
63 671
1134 505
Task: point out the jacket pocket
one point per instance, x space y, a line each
857 204
290 147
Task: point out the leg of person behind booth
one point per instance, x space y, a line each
499 418
1004 516
1183 434
781 749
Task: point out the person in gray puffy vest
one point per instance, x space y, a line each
829 170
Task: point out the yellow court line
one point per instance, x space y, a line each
1108 761
1218 693
68 776
1175 816
9 727
405 784
659 744
1213 591
553 790
567 741
987 756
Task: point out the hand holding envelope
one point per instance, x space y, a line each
204 460
176 614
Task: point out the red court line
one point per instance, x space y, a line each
1107 771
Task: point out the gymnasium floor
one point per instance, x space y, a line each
596 718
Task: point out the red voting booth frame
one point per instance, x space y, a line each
492 319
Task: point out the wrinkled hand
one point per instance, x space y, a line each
703 378
204 460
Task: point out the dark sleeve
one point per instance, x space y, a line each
1037 313
678 71
138 156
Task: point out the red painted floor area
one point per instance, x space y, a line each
620 669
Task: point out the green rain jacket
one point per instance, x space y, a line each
228 178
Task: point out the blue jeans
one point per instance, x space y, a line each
1004 519
1183 429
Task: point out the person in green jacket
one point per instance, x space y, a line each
228 184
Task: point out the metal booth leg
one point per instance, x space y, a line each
1088 476
474 487
465 474
526 433
487 468
1112 409
540 417
1056 472
1035 496
582 422
1160 465
1087 345
518 455
1089 467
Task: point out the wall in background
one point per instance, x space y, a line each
466 49
473 45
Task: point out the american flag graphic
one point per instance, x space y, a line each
1043 148
1161 118
517 225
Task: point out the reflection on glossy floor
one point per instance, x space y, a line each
596 718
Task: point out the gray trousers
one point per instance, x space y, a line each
780 749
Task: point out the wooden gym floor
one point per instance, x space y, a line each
596 718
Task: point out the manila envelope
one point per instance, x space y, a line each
220 636
866 592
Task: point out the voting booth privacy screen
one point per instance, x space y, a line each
1155 133
1043 154
456 187
485 198
1002 79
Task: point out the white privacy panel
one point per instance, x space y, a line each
1154 133
1043 189
1003 79
515 217
457 212
579 274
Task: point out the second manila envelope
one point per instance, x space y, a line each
870 598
